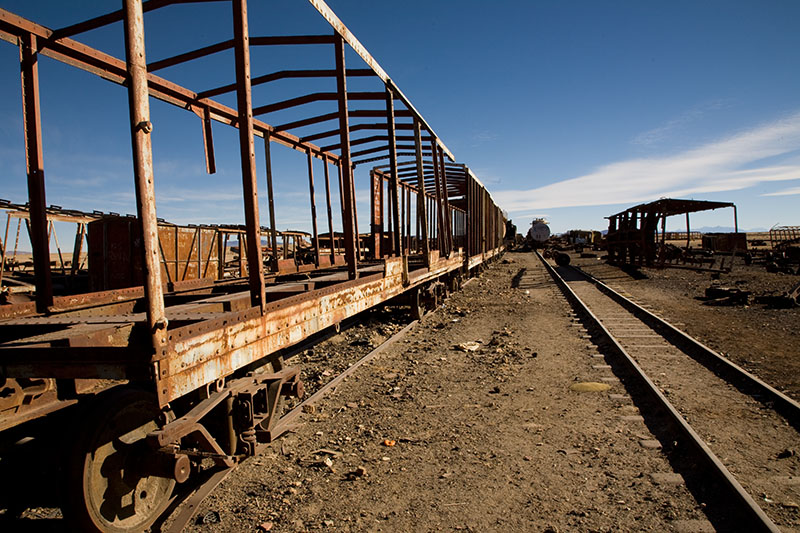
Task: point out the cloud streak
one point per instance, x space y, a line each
732 163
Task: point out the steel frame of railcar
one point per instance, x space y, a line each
185 339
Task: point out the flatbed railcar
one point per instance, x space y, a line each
175 378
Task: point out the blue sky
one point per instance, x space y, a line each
572 110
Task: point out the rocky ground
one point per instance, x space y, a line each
489 416
430 437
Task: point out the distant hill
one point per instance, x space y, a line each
726 229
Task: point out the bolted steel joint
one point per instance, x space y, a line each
161 323
145 125
294 388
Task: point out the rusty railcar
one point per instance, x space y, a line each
179 371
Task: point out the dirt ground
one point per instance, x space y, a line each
428 437
763 340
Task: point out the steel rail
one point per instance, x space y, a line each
185 507
751 516
717 363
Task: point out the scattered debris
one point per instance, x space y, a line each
589 386
469 346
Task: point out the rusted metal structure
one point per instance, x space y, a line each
634 237
189 369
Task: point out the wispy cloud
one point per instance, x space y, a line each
786 192
733 163
673 126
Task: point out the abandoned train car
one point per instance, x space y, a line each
168 372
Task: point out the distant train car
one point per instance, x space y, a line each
538 233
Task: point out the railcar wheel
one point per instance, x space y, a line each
107 489
417 305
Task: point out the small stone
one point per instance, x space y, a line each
327 523
495 390
788 452
352 405
360 471
266 526
211 517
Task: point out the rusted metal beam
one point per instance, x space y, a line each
188 56
345 167
40 240
208 143
284 74
330 211
314 97
141 127
110 18
448 225
396 241
422 216
340 29
308 122
277 40
76 54
247 152
315 235
271 203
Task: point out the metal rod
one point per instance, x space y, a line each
139 109
40 243
390 131
422 217
448 226
315 235
330 211
345 166
244 106
208 142
271 203
77 248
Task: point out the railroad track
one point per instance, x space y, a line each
730 435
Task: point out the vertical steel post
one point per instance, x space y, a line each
244 106
376 213
139 108
448 225
330 211
688 232
208 142
3 249
40 243
345 166
390 131
440 227
271 202
77 248
313 206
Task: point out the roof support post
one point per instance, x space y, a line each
244 106
271 198
376 212
40 241
422 216
139 110
448 225
437 178
345 164
315 235
390 130
330 211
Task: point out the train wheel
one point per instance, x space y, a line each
417 305
454 284
107 490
